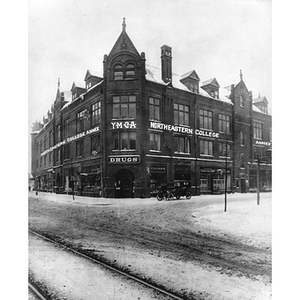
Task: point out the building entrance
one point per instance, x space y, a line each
124 184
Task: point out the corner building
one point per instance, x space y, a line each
125 133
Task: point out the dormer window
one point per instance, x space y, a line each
214 94
74 96
193 87
88 85
126 72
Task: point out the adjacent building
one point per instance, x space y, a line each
125 132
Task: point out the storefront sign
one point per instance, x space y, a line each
124 159
181 129
71 138
262 143
157 169
124 125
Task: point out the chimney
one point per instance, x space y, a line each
166 63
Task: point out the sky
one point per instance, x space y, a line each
217 38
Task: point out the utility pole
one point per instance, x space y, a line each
226 179
258 164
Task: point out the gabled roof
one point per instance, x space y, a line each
77 85
90 73
123 43
154 74
212 81
191 74
260 99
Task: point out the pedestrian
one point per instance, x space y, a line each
29 188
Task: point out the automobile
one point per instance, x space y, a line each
175 189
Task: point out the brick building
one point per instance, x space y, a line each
124 133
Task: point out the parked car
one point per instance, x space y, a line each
176 189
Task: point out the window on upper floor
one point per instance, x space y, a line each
182 144
118 72
242 101
125 140
214 94
154 109
124 107
79 148
257 130
45 142
96 113
67 129
193 87
205 119
67 152
224 123
80 121
155 141
242 138
95 145
224 149
129 71
124 72
50 138
206 147
181 114
58 128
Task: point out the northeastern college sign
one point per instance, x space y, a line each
181 129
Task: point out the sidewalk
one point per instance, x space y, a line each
136 201
88 200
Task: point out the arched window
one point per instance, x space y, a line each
242 138
122 72
118 72
242 101
129 71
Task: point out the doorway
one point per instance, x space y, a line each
124 184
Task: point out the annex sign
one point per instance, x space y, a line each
71 138
262 143
182 129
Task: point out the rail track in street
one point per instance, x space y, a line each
105 264
37 292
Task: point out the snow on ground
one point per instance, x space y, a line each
250 223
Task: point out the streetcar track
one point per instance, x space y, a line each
111 268
36 291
